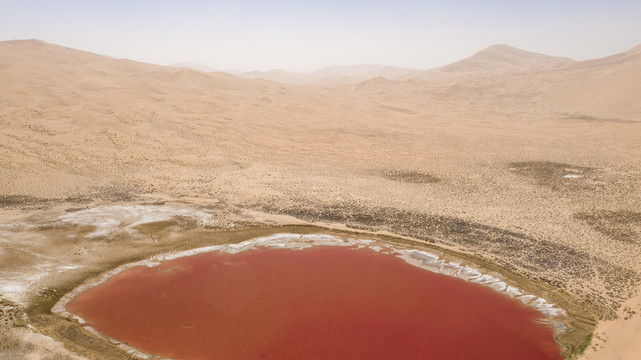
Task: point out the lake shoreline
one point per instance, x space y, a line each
412 256
180 237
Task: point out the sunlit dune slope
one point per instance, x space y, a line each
517 81
502 58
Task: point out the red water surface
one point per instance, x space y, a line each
319 303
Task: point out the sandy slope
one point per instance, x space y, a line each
619 339
473 160
503 58
501 76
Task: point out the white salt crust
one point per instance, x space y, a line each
107 220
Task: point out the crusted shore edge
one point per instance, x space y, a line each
553 314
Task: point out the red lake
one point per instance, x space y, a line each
325 302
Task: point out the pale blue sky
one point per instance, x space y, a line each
306 35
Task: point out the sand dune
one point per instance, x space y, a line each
604 88
474 156
517 81
503 58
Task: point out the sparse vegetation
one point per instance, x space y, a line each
11 314
551 174
26 202
8 340
620 225
592 118
582 346
539 259
152 228
58 357
410 176
22 202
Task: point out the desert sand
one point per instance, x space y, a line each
527 164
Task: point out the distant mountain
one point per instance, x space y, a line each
635 50
202 67
195 66
36 65
497 77
503 58
496 59
280 76
365 72
36 51
503 76
336 74
607 87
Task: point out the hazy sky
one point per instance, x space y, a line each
306 35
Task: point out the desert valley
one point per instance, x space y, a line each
521 169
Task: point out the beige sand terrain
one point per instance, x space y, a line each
526 163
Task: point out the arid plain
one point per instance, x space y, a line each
527 165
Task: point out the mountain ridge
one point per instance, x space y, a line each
503 58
